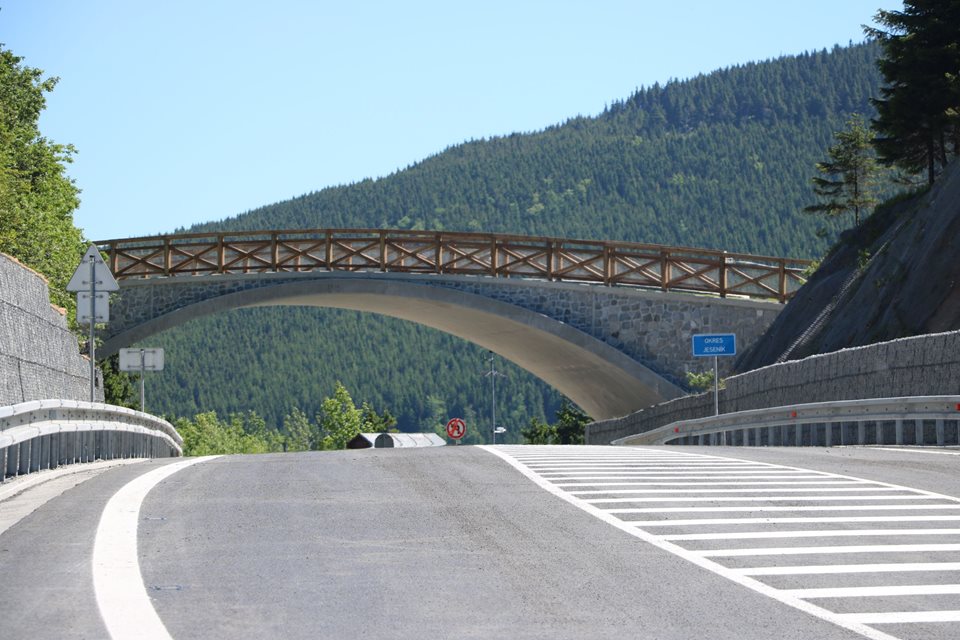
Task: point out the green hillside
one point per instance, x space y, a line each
722 160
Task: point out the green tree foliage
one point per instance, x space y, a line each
300 433
567 429
538 431
848 179
373 422
37 198
207 434
340 420
118 387
918 112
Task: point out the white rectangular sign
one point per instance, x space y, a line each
152 359
99 310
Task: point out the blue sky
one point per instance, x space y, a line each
190 111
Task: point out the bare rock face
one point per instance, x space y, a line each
894 276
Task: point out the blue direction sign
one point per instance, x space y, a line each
720 344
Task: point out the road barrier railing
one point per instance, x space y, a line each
444 252
917 420
45 434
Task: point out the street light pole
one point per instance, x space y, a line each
493 373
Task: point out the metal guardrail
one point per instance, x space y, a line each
912 420
495 255
45 434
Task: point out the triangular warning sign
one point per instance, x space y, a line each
102 277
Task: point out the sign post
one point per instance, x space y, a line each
92 282
456 428
721 344
141 360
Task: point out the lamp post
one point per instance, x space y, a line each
492 374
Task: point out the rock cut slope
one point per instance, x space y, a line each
894 276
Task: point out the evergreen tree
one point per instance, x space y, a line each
918 113
301 435
851 170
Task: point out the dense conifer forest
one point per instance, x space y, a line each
723 160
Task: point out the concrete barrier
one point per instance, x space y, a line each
46 434
918 420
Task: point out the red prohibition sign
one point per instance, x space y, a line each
456 428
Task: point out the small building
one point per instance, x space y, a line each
395 440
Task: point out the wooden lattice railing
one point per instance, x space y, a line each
441 252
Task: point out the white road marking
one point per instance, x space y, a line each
117 583
708 522
760 499
902 617
695 558
813 533
741 490
876 592
798 551
825 569
852 507
844 483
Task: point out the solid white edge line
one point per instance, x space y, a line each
696 559
117 582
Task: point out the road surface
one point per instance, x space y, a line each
499 542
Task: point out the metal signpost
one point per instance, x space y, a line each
707 345
492 374
92 282
456 428
141 360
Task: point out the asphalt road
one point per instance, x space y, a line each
457 542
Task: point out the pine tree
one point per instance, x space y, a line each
918 114
851 172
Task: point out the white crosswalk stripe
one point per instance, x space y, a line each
863 554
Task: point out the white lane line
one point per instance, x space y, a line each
802 551
709 522
692 557
842 483
762 499
812 533
667 471
852 507
741 490
722 476
826 569
902 617
117 583
876 592
939 453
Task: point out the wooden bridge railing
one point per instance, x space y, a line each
441 252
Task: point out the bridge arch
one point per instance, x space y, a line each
602 380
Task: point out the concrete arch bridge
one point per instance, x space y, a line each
608 324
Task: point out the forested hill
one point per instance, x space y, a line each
722 160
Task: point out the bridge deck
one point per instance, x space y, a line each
440 252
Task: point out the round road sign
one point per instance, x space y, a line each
456 428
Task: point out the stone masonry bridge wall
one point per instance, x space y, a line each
652 327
